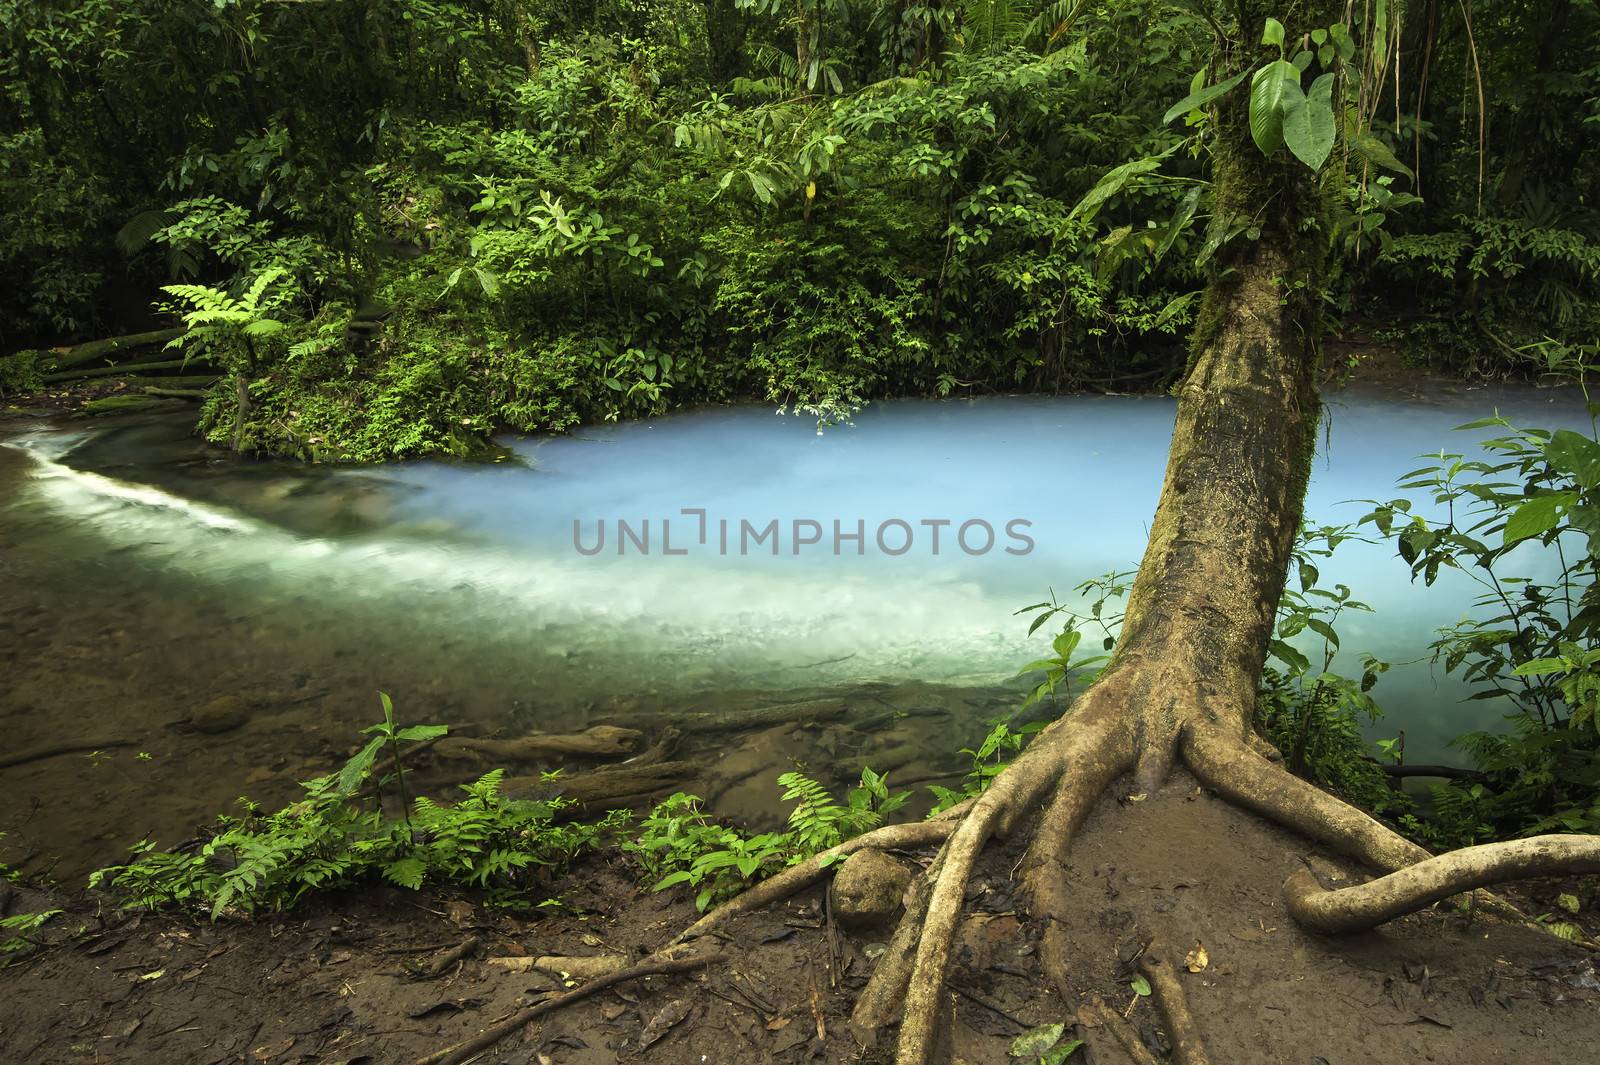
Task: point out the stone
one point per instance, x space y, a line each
868 889
223 714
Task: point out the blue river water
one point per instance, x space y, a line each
413 563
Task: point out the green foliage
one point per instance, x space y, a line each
569 215
21 372
331 839
1535 645
989 758
678 843
14 932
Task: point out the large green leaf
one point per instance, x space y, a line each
1575 454
1115 181
1274 88
1309 129
1201 97
1537 515
355 770
1377 153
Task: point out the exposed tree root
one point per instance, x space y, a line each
1246 779
880 1001
1368 905
459 1053
1095 1013
801 876
1188 1048
1102 759
443 963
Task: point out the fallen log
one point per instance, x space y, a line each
600 741
78 354
119 368
205 380
612 787
782 714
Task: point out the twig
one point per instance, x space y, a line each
450 957
494 1033
990 1006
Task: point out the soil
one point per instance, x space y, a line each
330 982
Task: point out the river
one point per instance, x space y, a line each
747 559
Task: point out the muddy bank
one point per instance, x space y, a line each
345 978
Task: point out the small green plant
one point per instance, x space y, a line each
988 759
225 325
680 844
335 836
14 932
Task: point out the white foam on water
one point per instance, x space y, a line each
689 616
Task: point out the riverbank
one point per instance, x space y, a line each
383 975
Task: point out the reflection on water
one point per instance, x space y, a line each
149 575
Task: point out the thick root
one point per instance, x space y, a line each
885 993
1368 905
1188 1048
1075 744
1099 1015
1104 756
1227 766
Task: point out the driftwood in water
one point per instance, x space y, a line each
39 754
600 741
79 354
642 777
609 788
782 714
890 718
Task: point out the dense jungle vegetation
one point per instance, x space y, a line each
393 228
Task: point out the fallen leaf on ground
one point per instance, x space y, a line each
662 1022
1033 1043
1196 960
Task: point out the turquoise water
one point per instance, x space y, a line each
469 574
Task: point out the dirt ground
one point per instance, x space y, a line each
332 981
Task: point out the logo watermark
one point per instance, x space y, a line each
696 532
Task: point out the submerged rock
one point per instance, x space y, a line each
223 714
868 889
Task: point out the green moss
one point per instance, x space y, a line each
22 372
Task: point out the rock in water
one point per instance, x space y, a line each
868 889
223 714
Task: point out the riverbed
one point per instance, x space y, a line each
718 560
